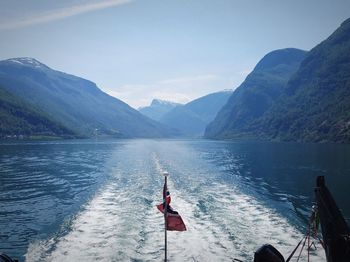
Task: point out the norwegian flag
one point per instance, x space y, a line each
173 219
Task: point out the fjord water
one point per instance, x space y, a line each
87 200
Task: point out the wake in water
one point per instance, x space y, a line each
121 222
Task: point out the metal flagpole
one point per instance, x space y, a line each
165 215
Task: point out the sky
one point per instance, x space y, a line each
138 50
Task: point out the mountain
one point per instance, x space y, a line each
21 120
315 106
78 104
256 95
157 109
192 118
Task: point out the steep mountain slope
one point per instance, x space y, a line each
192 118
157 109
259 91
19 119
316 104
75 102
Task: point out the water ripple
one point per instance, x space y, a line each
96 201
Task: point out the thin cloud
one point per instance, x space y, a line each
189 79
62 13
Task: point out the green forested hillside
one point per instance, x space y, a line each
21 120
316 103
260 90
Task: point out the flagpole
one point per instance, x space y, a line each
165 216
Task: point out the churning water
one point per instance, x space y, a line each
95 200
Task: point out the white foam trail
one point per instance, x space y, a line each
159 167
121 223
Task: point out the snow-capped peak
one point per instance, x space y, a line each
27 61
162 102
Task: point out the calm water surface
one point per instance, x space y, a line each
95 200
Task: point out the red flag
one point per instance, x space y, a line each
174 220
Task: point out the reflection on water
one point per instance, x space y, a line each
95 200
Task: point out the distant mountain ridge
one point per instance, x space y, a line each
78 104
158 108
163 102
192 118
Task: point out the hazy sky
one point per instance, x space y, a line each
178 50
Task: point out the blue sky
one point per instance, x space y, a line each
137 50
